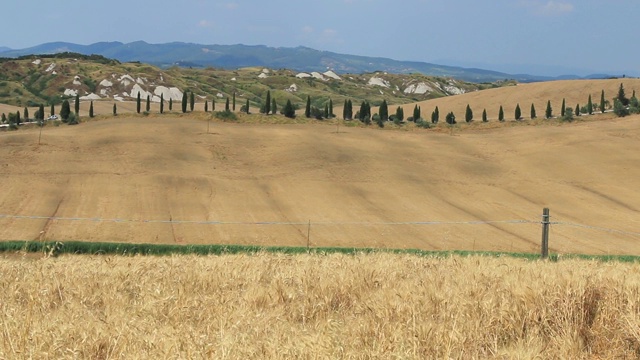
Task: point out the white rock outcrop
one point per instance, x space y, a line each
376 81
292 88
76 80
317 75
51 67
303 75
91 96
331 74
36 62
106 83
70 92
263 76
420 88
168 93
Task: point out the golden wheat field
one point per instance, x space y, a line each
376 306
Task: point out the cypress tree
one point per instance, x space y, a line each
384 111
26 114
331 108
562 109
416 113
184 102
162 103
501 114
450 118
549 111
170 104
590 106
53 110
577 112
77 104
41 111
350 111
246 107
4 118
206 106
533 111
289 111
65 110
484 115
326 110
91 109
18 117
213 104
138 103
192 101
468 116
234 101
274 106
226 105
518 113
307 110
148 103
115 109
267 103
621 96
345 109
602 102
436 116
400 114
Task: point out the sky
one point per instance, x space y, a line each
538 37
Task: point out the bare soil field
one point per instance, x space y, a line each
376 306
164 179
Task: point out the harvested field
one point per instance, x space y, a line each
361 187
336 306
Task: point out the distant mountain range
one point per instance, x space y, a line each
298 59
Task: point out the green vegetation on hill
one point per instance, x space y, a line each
35 79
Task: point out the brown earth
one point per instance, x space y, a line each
359 187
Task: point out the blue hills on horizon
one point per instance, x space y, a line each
299 59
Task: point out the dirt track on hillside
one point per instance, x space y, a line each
353 186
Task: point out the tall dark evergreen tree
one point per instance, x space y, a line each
590 106
185 98
77 104
484 116
170 104
26 114
501 114
206 106
148 107
53 110
384 111
115 109
400 113
602 102
548 113
331 114
91 109
621 96
562 109
18 121
138 104
213 104
274 106
307 110
533 111
234 101
65 110
41 111
226 105
288 110
192 101
450 118
350 112
345 109
416 113
326 110
468 115
435 117
162 103
518 112
246 106
577 112
267 103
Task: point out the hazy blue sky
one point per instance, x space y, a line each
547 37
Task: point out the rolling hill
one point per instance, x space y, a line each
301 59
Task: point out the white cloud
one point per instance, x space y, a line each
548 8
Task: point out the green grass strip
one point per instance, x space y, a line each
107 248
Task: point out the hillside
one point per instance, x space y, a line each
37 79
300 59
163 179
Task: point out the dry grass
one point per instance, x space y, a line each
337 306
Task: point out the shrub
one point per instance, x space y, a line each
378 119
423 124
568 114
225 115
619 109
73 119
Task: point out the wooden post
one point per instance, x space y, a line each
309 236
545 233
